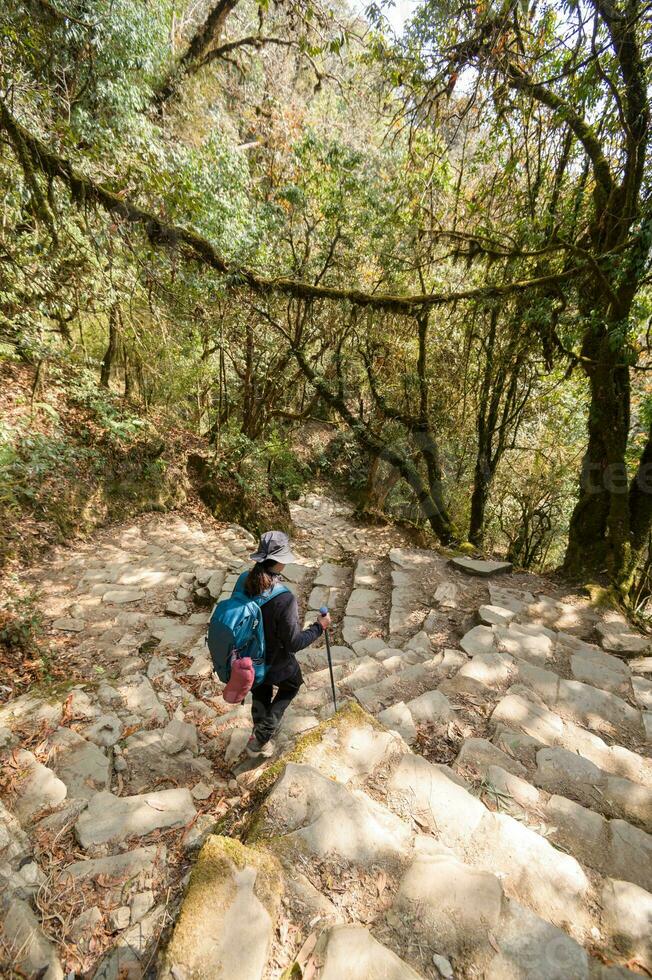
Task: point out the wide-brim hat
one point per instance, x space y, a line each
274 546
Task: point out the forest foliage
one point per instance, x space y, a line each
241 218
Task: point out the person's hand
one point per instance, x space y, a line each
325 620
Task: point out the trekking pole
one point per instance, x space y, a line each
324 612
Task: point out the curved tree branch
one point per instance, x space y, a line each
31 151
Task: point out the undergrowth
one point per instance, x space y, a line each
74 456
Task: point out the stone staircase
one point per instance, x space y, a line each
479 806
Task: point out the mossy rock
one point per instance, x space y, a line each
466 548
228 915
351 715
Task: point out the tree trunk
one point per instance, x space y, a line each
481 483
433 509
112 349
378 486
599 533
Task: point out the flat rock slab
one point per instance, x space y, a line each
365 603
110 819
121 596
532 948
351 951
643 692
493 669
627 915
483 568
31 710
118 867
333 576
433 794
544 879
37 788
176 607
139 697
315 659
296 573
457 905
354 629
351 751
216 582
230 886
446 595
588 706
176 636
617 638
522 714
566 773
80 764
148 763
366 573
479 754
495 615
591 671
398 719
614 848
412 559
69 625
430 708
327 819
532 643
480 639
515 599
31 952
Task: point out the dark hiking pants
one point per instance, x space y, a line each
267 710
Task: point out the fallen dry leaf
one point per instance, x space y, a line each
493 943
306 950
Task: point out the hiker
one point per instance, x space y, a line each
283 638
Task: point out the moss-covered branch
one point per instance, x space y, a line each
32 153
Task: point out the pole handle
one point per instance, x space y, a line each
324 610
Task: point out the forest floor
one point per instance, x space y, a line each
479 805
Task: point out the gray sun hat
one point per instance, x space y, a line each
275 546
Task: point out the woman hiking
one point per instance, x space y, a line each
283 638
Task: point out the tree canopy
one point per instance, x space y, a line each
259 215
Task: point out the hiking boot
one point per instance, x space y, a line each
256 750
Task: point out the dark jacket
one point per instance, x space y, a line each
284 637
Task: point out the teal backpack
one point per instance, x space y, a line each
235 630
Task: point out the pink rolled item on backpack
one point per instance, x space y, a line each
241 680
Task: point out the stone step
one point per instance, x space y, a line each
464 914
480 567
532 871
430 708
612 847
593 708
109 819
29 949
367 573
37 787
351 951
520 712
366 604
234 891
566 773
403 685
318 813
409 604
